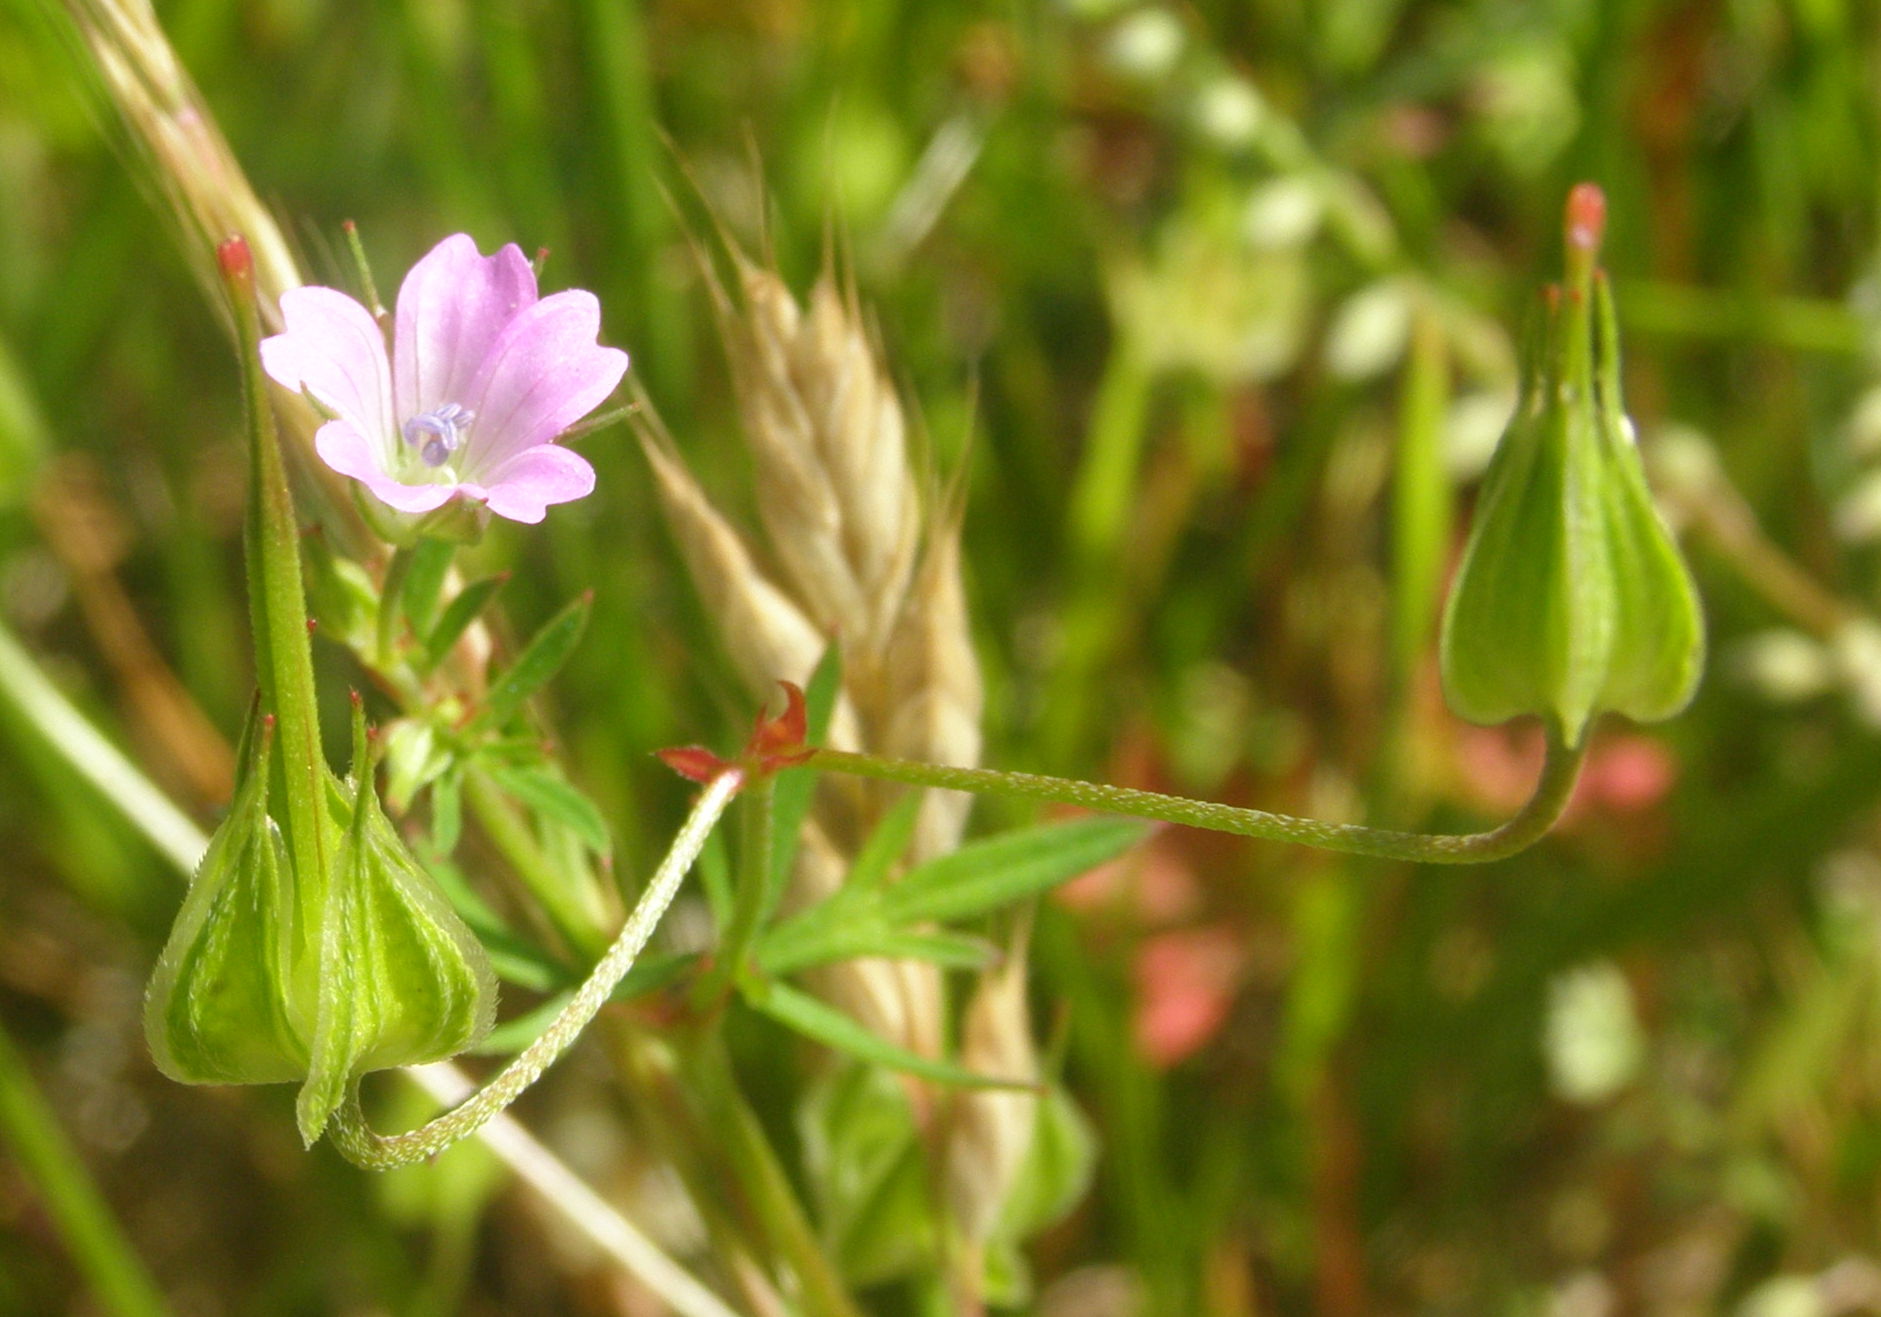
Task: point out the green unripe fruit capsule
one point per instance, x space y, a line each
1572 598
220 1007
389 976
402 979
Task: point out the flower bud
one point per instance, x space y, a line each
1572 598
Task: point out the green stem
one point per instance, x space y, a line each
754 881
770 1195
50 1163
391 590
278 607
360 1144
1528 826
1099 506
362 270
1097 516
1420 499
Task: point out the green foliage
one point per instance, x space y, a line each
539 660
827 1025
868 917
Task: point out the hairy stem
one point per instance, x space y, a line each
363 1146
1528 826
278 607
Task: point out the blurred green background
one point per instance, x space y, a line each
1214 304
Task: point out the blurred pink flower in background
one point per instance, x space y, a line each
481 379
1185 983
1627 772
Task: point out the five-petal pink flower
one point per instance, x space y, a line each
482 377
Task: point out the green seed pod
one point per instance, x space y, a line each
1572 598
403 980
388 976
220 1008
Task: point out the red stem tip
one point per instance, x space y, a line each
1586 217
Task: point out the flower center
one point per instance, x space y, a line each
438 433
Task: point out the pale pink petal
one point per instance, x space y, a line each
523 487
451 308
332 347
343 448
544 373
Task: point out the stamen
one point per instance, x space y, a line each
438 433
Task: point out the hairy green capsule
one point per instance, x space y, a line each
1572 598
403 980
247 992
219 1008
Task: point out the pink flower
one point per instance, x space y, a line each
1185 985
481 378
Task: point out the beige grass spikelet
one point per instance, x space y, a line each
768 637
209 197
828 439
934 691
848 563
863 442
990 1132
193 163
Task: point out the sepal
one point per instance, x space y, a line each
378 972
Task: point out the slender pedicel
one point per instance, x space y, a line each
1528 826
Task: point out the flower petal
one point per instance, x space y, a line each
523 487
544 373
332 347
343 448
451 308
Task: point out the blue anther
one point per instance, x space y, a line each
438 433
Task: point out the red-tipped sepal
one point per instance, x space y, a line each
776 743
693 762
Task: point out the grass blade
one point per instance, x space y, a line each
996 872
